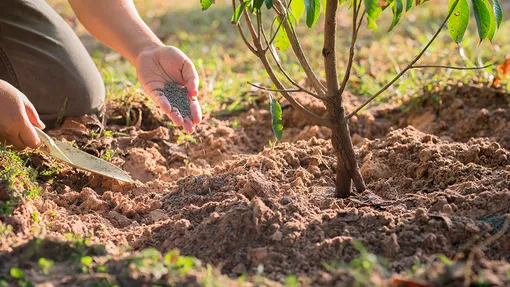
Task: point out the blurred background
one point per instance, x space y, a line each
225 64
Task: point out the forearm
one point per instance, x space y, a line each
115 23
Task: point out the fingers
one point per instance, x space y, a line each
28 137
16 142
160 100
190 76
188 126
196 111
32 114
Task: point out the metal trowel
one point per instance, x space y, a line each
80 159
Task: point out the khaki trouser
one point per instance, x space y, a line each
42 57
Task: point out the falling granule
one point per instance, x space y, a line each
177 95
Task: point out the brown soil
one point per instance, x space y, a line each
225 199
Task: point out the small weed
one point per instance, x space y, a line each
361 267
36 217
417 266
241 279
291 281
104 283
51 172
17 273
6 207
86 264
108 154
45 265
210 280
6 230
107 134
101 269
186 138
19 276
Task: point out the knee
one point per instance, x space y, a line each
86 94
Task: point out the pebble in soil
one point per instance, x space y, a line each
177 96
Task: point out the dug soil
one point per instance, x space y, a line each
437 173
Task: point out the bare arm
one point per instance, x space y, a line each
116 23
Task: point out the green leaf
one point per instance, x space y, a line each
498 12
313 11
297 7
17 273
445 259
239 11
484 19
409 5
281 40
257 4
276 117
458 21
205 4
398 8
269 3
373 12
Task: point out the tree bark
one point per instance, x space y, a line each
347 170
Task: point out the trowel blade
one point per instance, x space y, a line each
82 160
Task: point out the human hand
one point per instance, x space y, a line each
17 118
158 65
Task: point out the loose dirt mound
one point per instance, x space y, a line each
216 197
276 208
461 112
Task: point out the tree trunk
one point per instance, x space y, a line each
347 169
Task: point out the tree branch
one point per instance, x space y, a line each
361 21
298 50
410 66
316 119
279 65
451 67
252 49
351 49
274 90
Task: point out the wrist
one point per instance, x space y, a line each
146 46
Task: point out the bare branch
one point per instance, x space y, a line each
253 33
351 49
274 90
410 66
316 119
252 49
451 67
298 50
246 42
361 21
279 65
